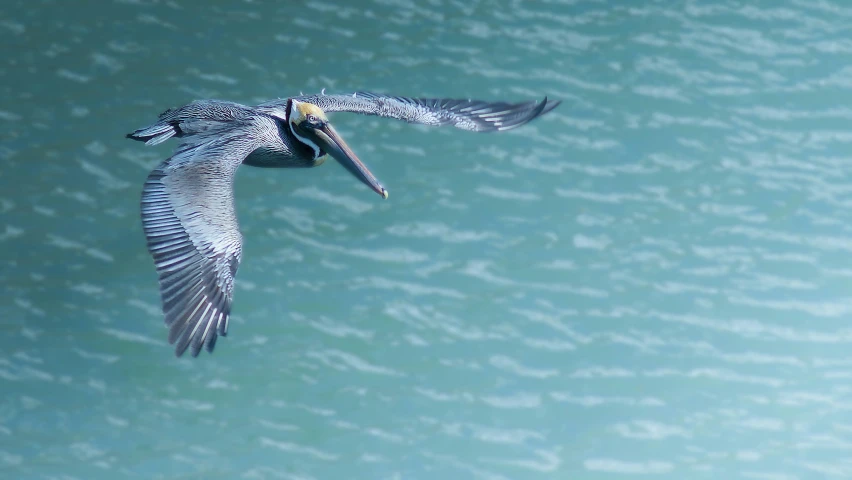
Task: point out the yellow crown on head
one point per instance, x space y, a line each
300 111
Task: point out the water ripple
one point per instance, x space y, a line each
651 280
340 360
290 447
611 465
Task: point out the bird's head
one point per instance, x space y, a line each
309 125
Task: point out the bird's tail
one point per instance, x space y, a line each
199 117
156 133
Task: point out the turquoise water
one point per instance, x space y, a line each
653 280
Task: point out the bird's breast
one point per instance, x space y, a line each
266 158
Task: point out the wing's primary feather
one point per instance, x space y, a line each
192 232
475 115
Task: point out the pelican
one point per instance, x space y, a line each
188 200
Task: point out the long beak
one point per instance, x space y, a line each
337 148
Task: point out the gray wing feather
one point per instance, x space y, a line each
475 115
192 232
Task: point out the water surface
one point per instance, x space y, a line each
652 281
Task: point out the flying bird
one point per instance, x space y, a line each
188 200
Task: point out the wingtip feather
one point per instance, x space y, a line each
550 105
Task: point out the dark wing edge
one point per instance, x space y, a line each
481 116
473 115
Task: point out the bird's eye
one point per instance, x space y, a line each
312 119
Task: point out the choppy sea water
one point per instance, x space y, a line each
651 281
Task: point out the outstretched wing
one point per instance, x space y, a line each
192 232
475 115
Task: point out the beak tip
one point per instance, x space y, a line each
384 194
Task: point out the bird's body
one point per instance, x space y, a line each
188 209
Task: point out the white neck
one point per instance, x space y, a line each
294 113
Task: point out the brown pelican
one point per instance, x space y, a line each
188 201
